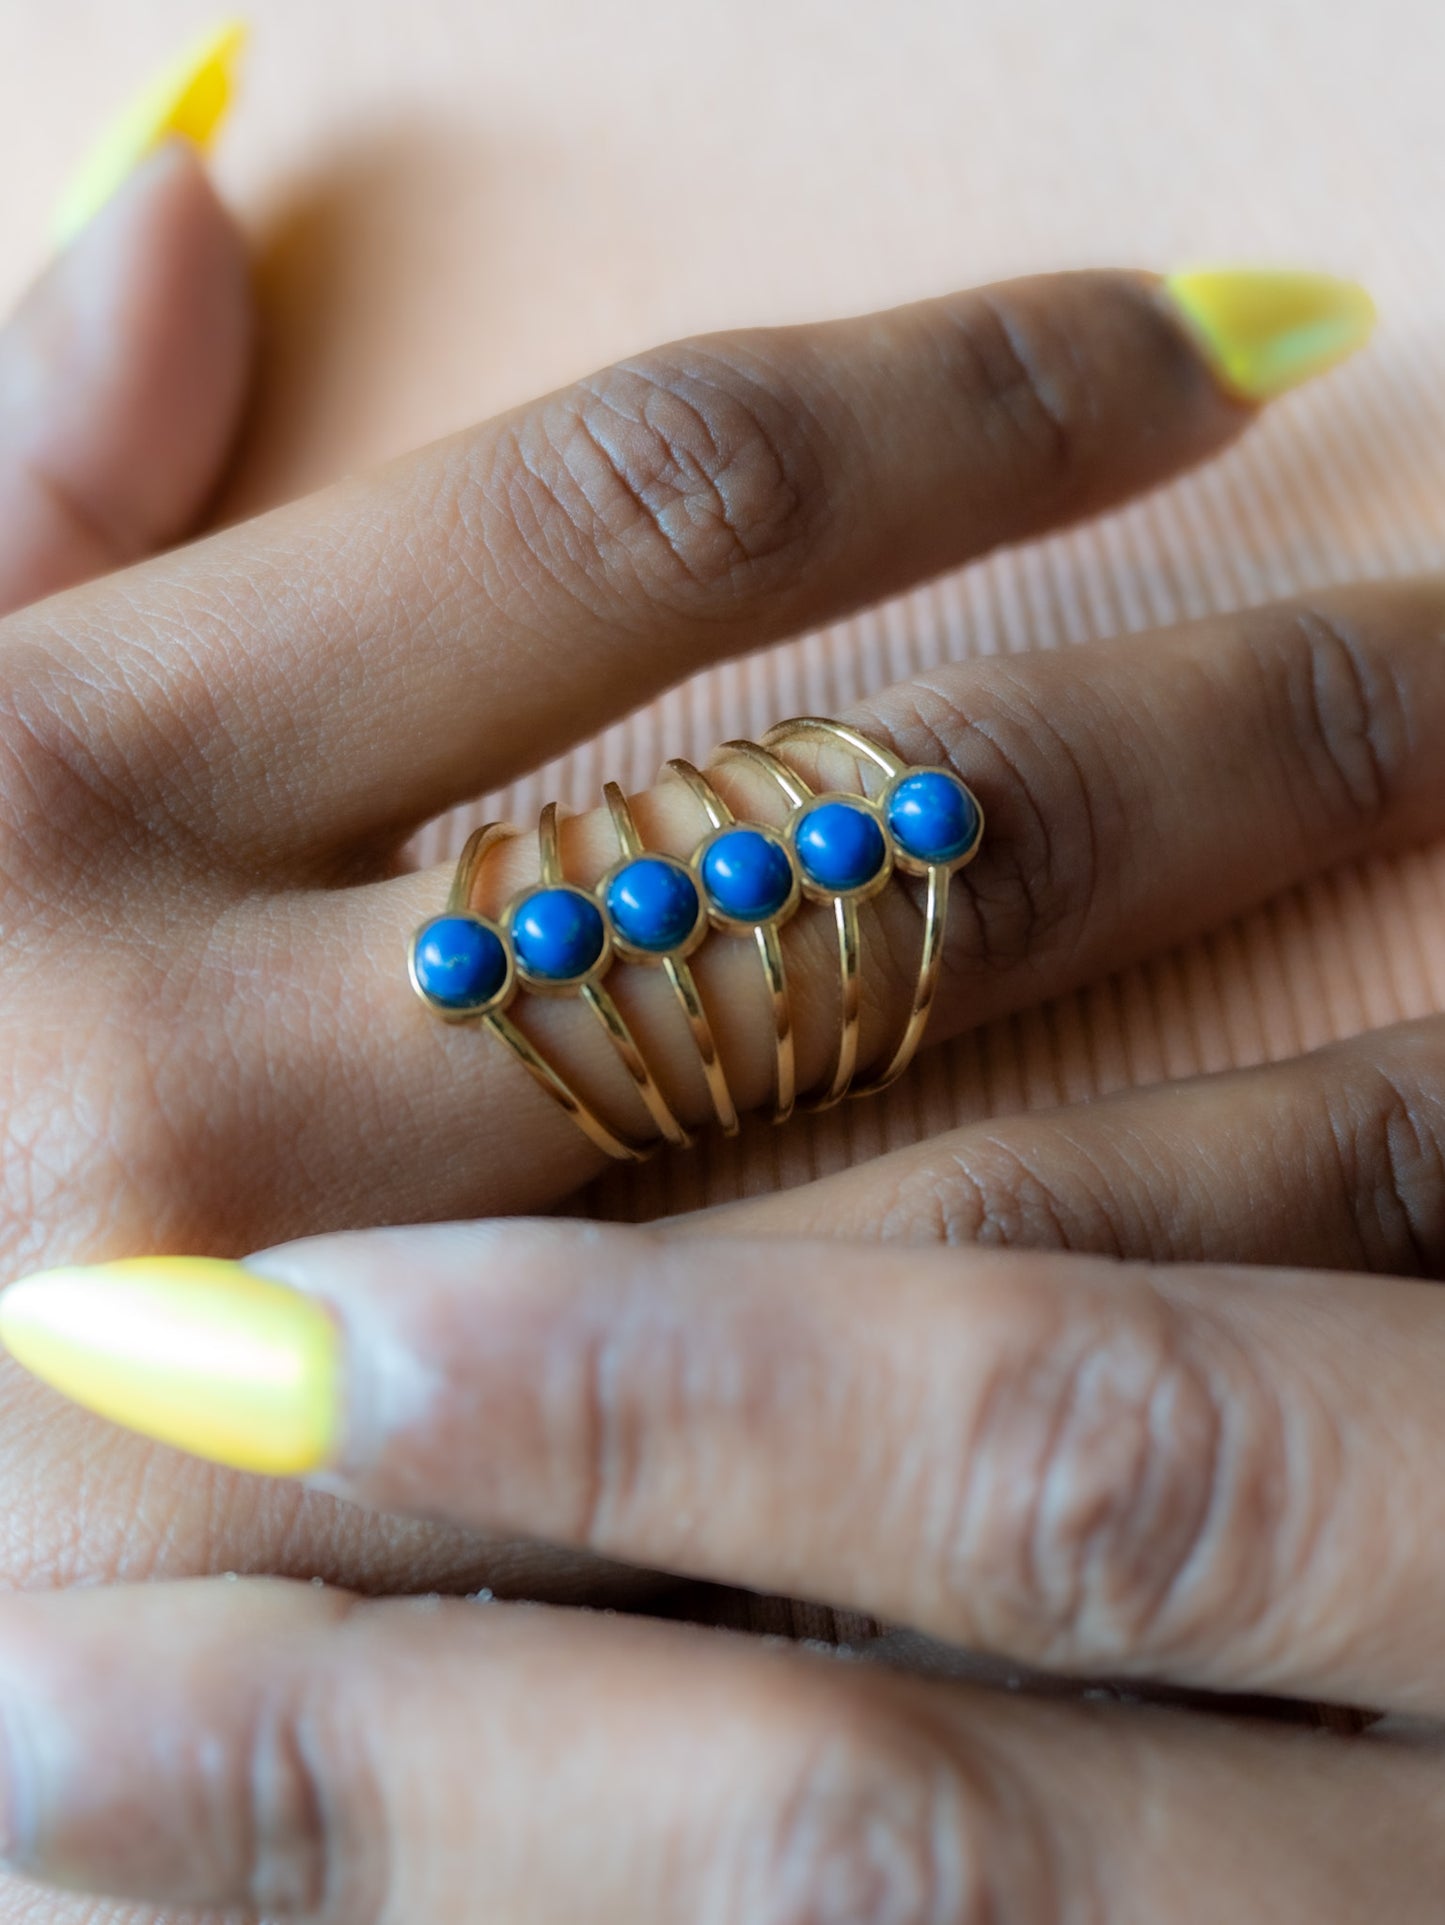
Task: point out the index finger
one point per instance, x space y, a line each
350 666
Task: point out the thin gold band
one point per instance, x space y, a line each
845 926
720 816
935 912
459 899
609 1017
684 984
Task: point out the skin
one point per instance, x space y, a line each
1103 1450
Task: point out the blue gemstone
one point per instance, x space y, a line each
653 904
460 963
557 933
840 847
932 817
747 875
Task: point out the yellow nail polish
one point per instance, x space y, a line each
1268 329
187 102
195 1352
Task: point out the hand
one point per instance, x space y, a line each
225 751
220 755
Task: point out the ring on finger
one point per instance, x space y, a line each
556 938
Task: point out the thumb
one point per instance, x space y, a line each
122 378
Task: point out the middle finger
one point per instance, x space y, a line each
346 667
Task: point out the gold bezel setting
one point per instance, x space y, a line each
912 865
739 925
450 1012
634 952
557 985
824 892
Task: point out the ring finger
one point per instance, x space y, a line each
1136 792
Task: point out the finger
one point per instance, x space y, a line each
285 1751
1332 1161
1136 793
1191 1473
122 377
450 623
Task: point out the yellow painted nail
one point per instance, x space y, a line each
192 1351
187 102
1268 329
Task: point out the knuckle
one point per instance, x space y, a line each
884 1820
687 471
1388 1133
56 802
981 1190
89 758
1348 715
634 1383
606 1472
315 1821
1031 394
287 1840
1120 1486
948 1199
1035 888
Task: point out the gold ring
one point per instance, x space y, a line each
555 938
912 859
661 894
759 912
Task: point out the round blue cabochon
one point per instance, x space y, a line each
459 962
840 847
653 904
558 933
747 875
932 817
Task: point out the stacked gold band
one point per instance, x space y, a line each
838 848
674 963
764 933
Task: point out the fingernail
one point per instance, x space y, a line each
1268 329
206 1355
188 101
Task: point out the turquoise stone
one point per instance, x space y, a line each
653 903
460 962
932 817
840 847
558 933
747 875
